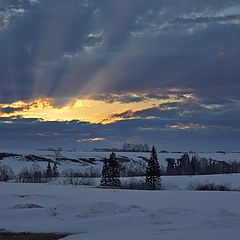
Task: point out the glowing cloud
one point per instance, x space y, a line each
91 139
85 108
188 126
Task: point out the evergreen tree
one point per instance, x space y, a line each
114 169
105 174
153 171
55 170
49 171
111 172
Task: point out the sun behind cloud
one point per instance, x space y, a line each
82 109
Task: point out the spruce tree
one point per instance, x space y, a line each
55 170
49 171
105 182
153 171
114 169
111 172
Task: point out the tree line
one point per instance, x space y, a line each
199 166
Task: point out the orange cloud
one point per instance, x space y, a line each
83 109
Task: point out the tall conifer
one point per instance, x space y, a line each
153 171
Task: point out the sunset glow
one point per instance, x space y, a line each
84 109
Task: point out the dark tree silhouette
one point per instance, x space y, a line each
111 172
114 169
49 171
55 170
105 182
153 171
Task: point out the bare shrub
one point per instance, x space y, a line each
210 187
86 181
32 175
89 173
134 183
6 173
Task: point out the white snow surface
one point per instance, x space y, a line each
96 214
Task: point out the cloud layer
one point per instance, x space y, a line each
66 48
124 52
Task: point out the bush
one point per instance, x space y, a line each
32 175
86 181
133 170
210 187
134 184
90 173
6 173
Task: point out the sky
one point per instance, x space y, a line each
97 73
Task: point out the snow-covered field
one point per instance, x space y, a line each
96 214
90 213
184 182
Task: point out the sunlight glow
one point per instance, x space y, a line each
82 109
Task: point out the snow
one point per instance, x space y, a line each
92 213
183 182
18 163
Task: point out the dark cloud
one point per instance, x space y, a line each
122 98
135 97
10 110
127 114
65 48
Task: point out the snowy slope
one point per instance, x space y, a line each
91 213
78 161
